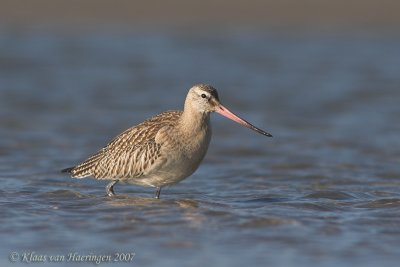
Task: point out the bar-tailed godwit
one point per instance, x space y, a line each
162 150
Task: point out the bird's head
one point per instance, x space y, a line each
204 98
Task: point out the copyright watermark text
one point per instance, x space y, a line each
72 257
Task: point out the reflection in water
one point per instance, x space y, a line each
265 222
190 210
124 201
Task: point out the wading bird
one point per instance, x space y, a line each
162 150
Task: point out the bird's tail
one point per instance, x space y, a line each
79 171
68 170
86 168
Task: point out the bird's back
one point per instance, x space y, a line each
130 154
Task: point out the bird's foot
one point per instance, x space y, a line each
158 191
110 188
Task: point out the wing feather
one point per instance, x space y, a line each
132 153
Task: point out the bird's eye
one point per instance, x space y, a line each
203 95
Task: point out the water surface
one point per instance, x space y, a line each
323 192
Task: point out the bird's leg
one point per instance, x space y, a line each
110 188
157 196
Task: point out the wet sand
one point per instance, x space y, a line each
206 15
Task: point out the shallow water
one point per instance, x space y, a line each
323 192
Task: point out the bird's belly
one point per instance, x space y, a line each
180 162
174 170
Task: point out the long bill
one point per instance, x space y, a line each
230 115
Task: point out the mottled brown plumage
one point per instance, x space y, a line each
129 154
162 150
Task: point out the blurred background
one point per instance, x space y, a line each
204 15
321 76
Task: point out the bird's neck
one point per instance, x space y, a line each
192 120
